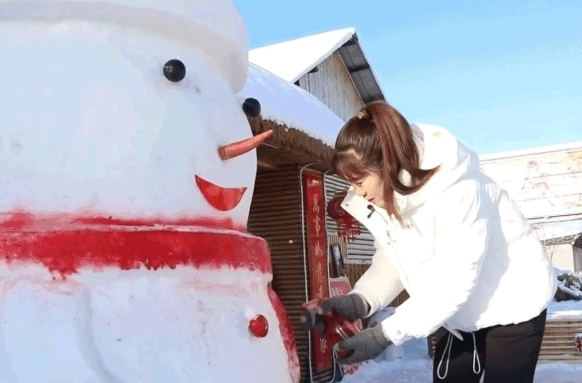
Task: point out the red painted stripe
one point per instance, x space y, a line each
65 251
287 334
22 220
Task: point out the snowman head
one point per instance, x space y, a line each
125 110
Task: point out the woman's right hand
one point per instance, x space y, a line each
351 306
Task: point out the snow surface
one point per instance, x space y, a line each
181 325
559 229
94 128
411 363
215 27
292 59
97 128
565 310
416 367
290 105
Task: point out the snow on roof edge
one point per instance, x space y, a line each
338 42
348 33
344 39
530 151
290 105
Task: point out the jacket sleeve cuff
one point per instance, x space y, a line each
373 304
393 332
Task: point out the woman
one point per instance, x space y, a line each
453 239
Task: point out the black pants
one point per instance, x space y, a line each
503 354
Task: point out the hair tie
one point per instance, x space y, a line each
363 114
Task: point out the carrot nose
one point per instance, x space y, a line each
239 148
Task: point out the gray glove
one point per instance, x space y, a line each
351 306
365 345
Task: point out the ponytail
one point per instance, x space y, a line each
383 139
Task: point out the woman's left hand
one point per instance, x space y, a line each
365 345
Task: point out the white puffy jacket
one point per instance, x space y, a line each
466 255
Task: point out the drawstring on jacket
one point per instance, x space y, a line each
447 353
476 362
449 345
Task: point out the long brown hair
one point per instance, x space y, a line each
380 140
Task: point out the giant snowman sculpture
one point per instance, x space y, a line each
126 178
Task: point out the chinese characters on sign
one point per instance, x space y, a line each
317 259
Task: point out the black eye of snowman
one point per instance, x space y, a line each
251 107
175 70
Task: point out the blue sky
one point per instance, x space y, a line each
501 75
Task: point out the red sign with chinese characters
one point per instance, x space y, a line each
316 236
340 286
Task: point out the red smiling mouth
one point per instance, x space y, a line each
223 199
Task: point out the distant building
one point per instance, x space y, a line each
546 183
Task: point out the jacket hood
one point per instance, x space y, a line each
437 147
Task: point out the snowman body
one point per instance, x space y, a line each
123 253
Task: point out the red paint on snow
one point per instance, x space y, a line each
287 334
21 220
17 221
223 199
66 251
64 244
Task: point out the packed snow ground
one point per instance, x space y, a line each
415 366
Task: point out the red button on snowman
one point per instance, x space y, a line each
127 175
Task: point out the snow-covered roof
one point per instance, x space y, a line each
290 105
305 53
531 151
567 239
292 59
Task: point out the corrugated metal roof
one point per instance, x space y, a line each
360 70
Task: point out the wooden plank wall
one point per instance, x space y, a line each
544 184
275 215
558 343
333 86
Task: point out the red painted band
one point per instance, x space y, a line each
65 251
22 220
287 334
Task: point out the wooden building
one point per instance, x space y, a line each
307 88
333 67
546 183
